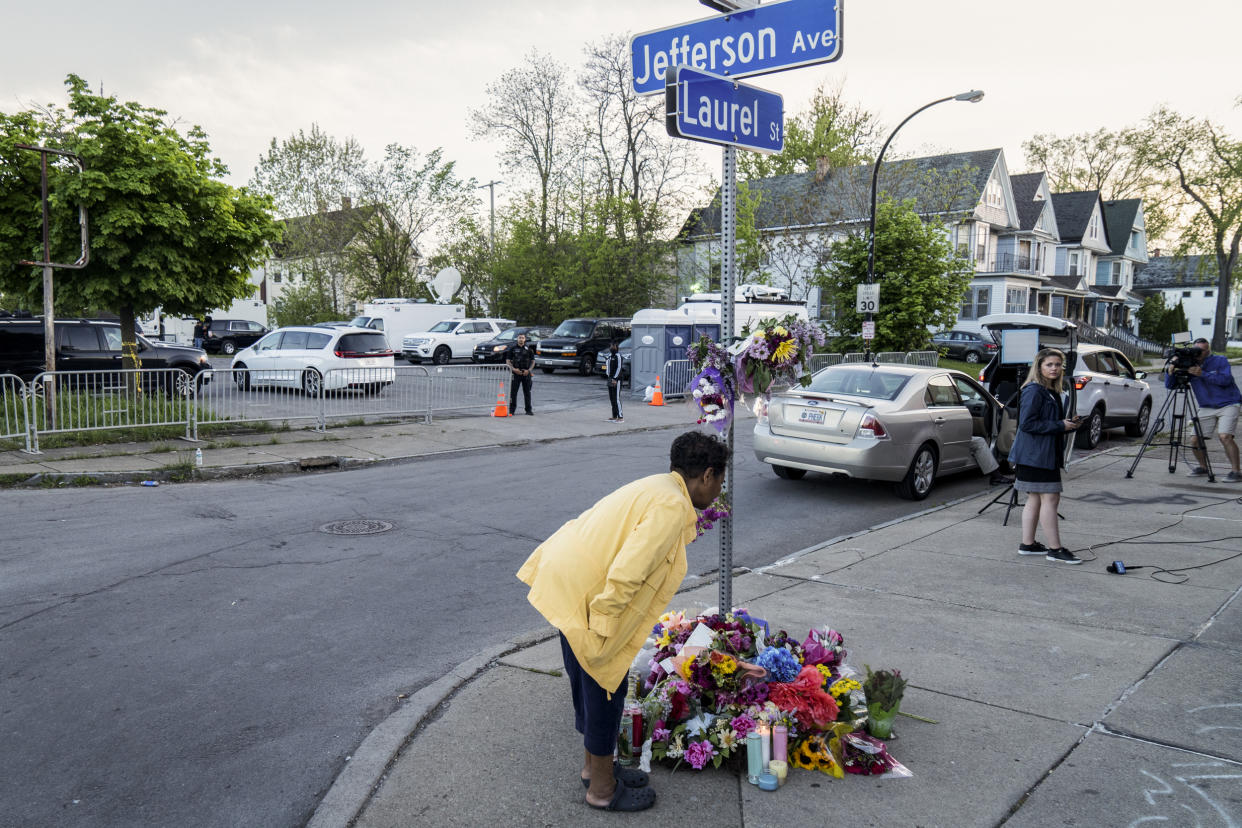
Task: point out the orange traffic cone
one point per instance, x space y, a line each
658 397
502 408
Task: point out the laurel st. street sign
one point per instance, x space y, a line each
706 107
740 44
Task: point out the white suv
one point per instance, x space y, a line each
451 339
1110 393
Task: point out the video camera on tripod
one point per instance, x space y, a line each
1180 405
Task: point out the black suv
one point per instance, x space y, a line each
228 336
965 345
575 342
85 345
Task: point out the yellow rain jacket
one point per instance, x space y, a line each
606 576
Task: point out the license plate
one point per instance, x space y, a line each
370 363
811 415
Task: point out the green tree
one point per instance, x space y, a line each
1151 318
1206 165
303 304
164 230
921 280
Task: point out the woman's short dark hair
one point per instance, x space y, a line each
694 452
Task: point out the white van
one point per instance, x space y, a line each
398 318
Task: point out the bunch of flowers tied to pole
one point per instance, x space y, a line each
777 352
711 680
713 390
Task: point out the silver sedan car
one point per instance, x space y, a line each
901 423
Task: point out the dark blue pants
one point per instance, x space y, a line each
596 717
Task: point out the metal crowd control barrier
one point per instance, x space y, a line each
106 400
928 359
856 356
14 415
675 376
890 357
462 387
819 362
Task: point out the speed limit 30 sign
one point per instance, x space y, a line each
868 298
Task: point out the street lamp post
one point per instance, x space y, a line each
973 96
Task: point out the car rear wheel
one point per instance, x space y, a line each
789 472
312 383
241 376
973 357
228 347
917 483
1139 427
442 355
1088 436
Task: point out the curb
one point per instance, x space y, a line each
365 769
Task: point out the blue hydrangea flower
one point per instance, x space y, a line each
781 664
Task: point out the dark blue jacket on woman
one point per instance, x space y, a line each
1040 441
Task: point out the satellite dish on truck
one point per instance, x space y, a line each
444 285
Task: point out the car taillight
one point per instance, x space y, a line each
871 427
360 354
1081 382
992 346
981 377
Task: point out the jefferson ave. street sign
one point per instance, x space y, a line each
740 44
706 107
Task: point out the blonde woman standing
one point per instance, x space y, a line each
1038 455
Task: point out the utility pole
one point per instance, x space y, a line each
49 314
491 186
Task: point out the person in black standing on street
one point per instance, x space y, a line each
521 362
612 370
198 333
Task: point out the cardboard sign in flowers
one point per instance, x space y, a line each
708 682
777 353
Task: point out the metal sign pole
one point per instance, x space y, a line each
728 227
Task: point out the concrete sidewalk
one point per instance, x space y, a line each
1062 695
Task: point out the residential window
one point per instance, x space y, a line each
976 303
1135 239
1116 275
1093 229
994 196
276 277
1015 300
1185 294
1205 321
1075 260
1207 293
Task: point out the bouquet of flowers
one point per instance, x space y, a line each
718 509
710 680
713 390
777 351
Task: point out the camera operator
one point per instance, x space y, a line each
1219 400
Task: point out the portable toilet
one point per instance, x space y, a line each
660 335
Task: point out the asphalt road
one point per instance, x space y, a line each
202 654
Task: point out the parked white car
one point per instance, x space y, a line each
451 339
316 359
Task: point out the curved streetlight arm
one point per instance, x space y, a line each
973 96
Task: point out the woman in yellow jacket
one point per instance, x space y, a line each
603 579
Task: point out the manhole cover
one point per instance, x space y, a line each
356 527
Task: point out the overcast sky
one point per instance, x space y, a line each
410 72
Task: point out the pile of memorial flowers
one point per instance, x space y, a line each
713 390
707 682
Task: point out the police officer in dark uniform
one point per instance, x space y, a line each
521 361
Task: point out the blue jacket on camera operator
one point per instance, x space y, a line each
1213 383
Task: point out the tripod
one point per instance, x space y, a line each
1009 507
1179 402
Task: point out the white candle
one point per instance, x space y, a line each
765 745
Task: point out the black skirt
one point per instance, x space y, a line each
1035 479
